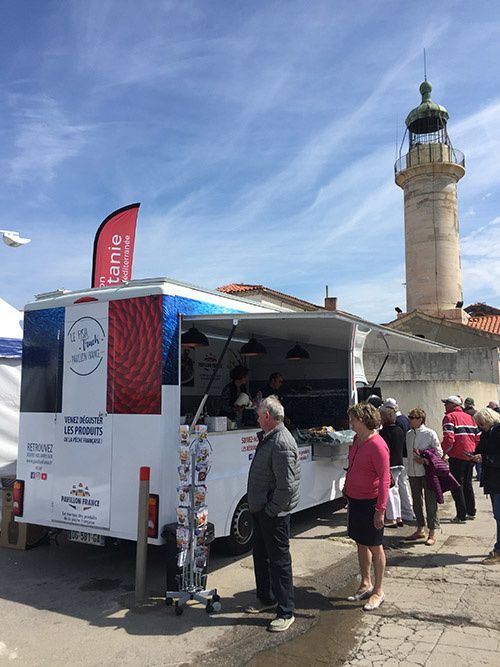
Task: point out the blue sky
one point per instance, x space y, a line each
260 138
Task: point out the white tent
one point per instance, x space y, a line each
11 333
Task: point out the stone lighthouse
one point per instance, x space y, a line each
428 175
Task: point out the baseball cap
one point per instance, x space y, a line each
469 402
375 400
452 399
493 405
390 403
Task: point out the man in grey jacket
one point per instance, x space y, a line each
273 492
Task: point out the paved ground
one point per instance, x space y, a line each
71 604
442 607
442 603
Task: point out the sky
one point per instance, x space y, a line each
259 137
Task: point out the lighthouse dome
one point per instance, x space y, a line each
428 116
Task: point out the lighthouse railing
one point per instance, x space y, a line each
427 153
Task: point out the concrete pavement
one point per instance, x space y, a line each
442 604
71 604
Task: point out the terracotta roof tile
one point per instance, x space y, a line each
234 288
488 323
238 288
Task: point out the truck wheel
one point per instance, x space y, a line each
240 537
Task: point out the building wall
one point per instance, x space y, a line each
441 331
422 379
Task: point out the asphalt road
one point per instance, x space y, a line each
67 603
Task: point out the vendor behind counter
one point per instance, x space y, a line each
229 395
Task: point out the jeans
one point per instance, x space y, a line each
272 561
465 502
419 486
495 501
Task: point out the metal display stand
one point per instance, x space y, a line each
192 582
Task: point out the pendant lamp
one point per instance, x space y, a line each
253 349
297 353
194 338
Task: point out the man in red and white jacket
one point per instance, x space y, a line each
460 437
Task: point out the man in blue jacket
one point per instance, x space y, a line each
273 492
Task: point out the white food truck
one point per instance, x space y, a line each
106 384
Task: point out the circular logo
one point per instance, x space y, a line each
86 348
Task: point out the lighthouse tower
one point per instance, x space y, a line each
428 175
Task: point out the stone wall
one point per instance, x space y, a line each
423 379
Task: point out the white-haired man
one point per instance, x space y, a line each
273 492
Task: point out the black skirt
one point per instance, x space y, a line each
360 526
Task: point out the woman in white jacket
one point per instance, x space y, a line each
418 438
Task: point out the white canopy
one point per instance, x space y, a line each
329 329
11 333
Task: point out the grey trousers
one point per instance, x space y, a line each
417 485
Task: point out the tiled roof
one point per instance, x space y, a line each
234 288
241 288
488 323
481 310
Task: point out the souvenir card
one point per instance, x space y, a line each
200 559
200 535
202 452
184 434
201 471
200 430
183 473
200 494
184 454
182 516
184 494
182 557
200 517
182 537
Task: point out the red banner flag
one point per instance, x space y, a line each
114 247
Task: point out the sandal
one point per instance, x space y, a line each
415 536
430 541
360 595
374 605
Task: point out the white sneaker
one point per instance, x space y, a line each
280 624
259 607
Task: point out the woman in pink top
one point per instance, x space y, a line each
366 488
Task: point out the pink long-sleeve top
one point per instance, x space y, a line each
368 475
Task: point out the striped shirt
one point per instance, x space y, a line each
460 434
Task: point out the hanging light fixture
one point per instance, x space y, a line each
297 353
253 348
194 338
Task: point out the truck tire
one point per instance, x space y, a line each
240 537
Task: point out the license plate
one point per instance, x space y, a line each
86 538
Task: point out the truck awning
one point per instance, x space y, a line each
329 329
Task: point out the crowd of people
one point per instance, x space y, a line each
398 472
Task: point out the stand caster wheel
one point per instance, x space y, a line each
209 608
169 602
178 609
216 606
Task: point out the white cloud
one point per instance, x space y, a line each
43 139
